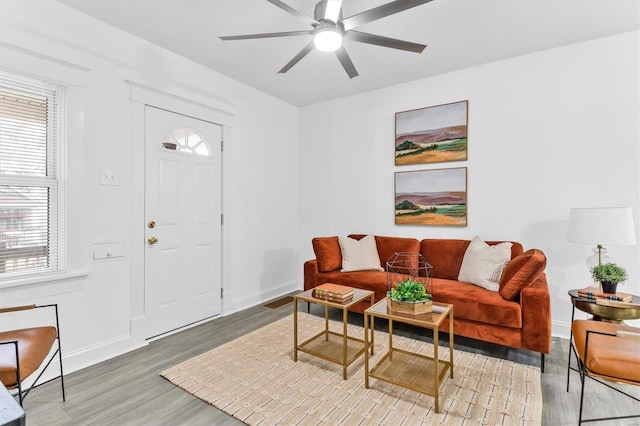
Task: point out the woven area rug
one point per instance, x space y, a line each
255 380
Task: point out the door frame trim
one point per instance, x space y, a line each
205 108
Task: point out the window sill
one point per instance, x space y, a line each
45 278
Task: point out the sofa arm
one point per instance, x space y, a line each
536 316
310 272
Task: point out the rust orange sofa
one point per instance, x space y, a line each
518 315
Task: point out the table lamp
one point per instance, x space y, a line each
612 226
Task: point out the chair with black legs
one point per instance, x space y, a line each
24 351
605 352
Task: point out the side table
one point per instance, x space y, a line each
602 312
425 373
335 347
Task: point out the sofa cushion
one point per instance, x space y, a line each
474 303
359 255
483 264
445 255
328 253
521 272
388 246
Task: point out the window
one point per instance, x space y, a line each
31 170
186 140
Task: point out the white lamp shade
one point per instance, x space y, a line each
611 226
327 39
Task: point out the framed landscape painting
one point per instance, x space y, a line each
431 197
432 135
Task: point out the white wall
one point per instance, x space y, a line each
48 40
547 131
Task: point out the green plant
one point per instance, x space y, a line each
410 291
609 272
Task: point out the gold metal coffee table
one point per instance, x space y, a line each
335 347
404 368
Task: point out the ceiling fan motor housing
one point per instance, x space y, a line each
320 10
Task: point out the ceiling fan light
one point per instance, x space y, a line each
327 39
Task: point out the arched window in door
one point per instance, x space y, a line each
186 140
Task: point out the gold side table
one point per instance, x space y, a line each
335 347
604 313
404 368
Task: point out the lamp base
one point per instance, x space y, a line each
598 257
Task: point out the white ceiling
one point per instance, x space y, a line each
458 34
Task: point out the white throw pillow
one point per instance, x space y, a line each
483 264
359 255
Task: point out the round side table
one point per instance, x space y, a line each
604 313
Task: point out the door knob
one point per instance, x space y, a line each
152 240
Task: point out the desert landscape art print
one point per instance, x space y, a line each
431 197
432 135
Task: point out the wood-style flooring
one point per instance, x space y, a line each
127 390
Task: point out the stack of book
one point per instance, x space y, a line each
617 304
595 293
333 293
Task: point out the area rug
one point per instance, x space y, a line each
255 380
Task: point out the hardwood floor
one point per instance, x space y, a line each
127 390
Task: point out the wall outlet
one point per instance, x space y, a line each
109 177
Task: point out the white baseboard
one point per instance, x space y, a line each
560 329
95 354
257 298
186 327
86 357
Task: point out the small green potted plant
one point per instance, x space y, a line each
409 297
609 275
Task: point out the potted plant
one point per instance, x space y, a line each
409 297
609 275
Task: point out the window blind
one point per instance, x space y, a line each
31 170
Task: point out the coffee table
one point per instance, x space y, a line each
404 368
335 347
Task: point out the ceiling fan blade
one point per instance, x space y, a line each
308 48
380 12
295 12
267 35
345 60
332 10
378 40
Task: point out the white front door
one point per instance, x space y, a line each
183 182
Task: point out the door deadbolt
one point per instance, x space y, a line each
152 240
151 224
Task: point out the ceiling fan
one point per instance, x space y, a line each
329 29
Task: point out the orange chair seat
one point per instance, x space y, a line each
608 356
33 345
